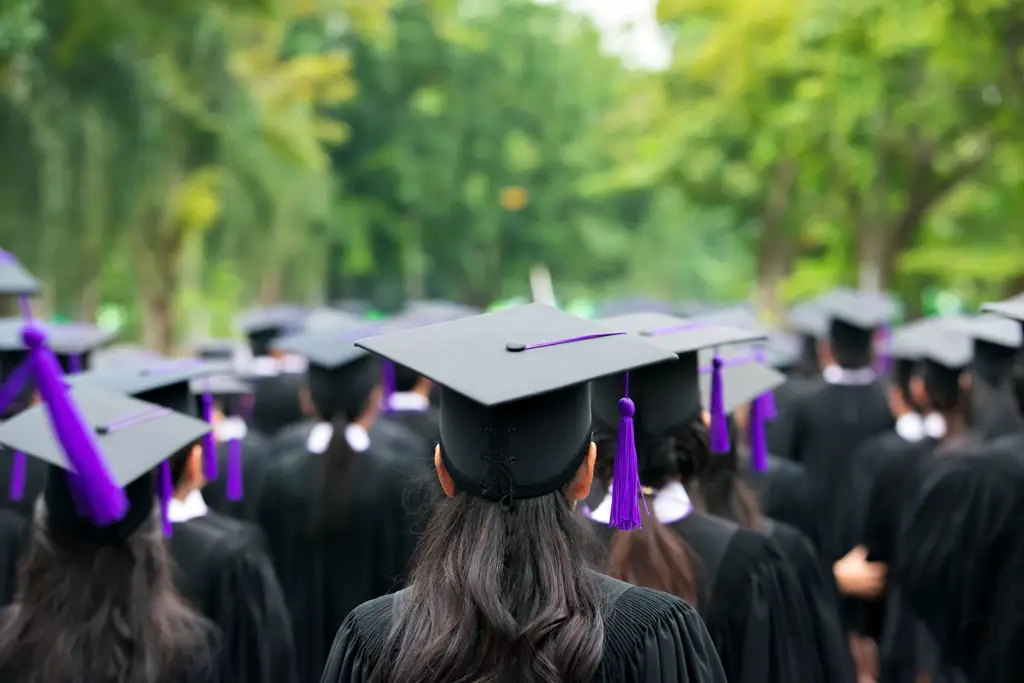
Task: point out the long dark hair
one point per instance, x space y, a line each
722 489
498 596
653 556
89 612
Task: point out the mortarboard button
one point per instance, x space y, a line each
515 346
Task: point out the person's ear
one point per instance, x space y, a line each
580 487
966 381
447 484
741 416
194 468
705 417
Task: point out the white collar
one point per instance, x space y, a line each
320 437
934 426
231 429
910 427
833 374
671 504
193 506
409 402
268 366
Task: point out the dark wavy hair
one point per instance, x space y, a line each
722 489
498 596
89 612
654 556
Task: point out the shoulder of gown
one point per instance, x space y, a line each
650 637
758 616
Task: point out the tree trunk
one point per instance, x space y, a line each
89 301
774 251
270 287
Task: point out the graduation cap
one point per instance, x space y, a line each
340 375
15 280
71 342
853 318
122 357
943 351
515 398
1012 308
226 390
263 325
782 350
328 318
167 383
744 379
134 437
996 343
217 350
669 394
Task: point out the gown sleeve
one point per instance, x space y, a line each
678 649
758 617
250 609
359 642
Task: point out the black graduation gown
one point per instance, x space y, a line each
784 493
35 482
819 593
14 532
276 403
291 439
422 423
650 637
327 574
204 664
224 571
399 440
256 457
778 433
830 422
751 602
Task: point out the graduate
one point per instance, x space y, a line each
243 455
722 490
1013 443
96 599
334 511
73 346
276 378
222 566
740 581
905 649
501 588
997 341
841 410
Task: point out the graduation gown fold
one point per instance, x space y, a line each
751 602
326 572
650 637
256 456
784 492
224 571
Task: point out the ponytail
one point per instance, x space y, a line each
333 477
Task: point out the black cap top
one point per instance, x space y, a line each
331 347
990 329
666 395
15 280
274 318
515 394
218 349
220 386
1011 308
166 382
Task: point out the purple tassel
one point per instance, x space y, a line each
234 487
166 493
719 428
884 363
211 467
17 487
74 364
758 443
625 513
105 501
767 399
389 384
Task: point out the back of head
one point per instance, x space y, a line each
850 345
722 489
276 403
89 611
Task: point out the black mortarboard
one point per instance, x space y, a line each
997 341
515 396
15 280
853 317
742 382
945 351
263 325
328 318
217 349
134 438
71 342
667 395
783 350
340 375
417 314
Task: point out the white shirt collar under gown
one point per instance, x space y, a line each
193 507
833 374
671 503
409 402
910 427
934 426
320 437
230 428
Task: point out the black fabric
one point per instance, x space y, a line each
830 421
62 511
276 403
14 532
751 602
35 482
256 458
778 433
325 573
292 438
223 570
650 637
784 493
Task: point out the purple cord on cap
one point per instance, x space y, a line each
758 441
234 484
884 359
718 428
74 363
211 466
387 371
